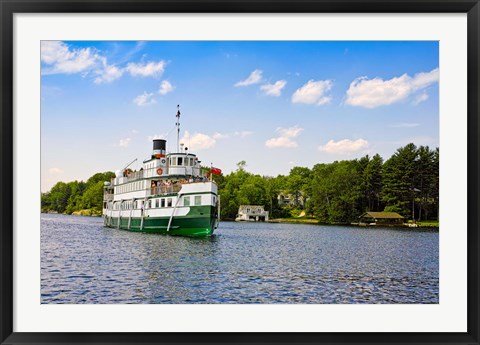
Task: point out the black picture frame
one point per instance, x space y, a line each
9 7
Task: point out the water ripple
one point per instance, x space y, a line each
83 262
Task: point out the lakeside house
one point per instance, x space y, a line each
381 218
251 213
288 199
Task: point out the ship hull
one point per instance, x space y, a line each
200 222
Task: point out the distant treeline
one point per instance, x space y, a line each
336 192
75 196
341 191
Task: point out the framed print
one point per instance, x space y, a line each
197 172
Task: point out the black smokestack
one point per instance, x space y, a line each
159 148
159 144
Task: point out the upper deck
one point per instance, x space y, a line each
174 165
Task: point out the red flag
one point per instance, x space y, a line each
216 171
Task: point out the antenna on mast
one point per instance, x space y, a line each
178 127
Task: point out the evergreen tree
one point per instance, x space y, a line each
372 177
399 181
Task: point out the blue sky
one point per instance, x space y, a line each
274 104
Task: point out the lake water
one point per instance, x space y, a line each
84 262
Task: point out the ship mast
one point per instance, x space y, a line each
178 127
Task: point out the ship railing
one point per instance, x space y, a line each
133 176
162 190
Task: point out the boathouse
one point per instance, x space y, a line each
381 218
251 213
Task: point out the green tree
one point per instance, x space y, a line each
93 196
336 193
399 181
74 196
57 197
298 185
373 180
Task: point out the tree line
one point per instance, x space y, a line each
75 196
338 192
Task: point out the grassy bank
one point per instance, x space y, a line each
89 212
311 220
296 220
429 224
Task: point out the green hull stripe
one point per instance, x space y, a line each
198 223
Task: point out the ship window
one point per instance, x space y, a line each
149 203
156 203
191 162
186 201
169 202
173 161
180 160
162 203
198 200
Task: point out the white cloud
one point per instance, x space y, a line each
285 138
125 142
134 131
217 136
345 146
313 92
254 78
149 69
144 99
274 89
166 87
243 134
372 93
108 74
197 141
55 171
420 98
280 142
62 59
58 57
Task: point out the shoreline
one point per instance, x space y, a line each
311 221
316 222
84 213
